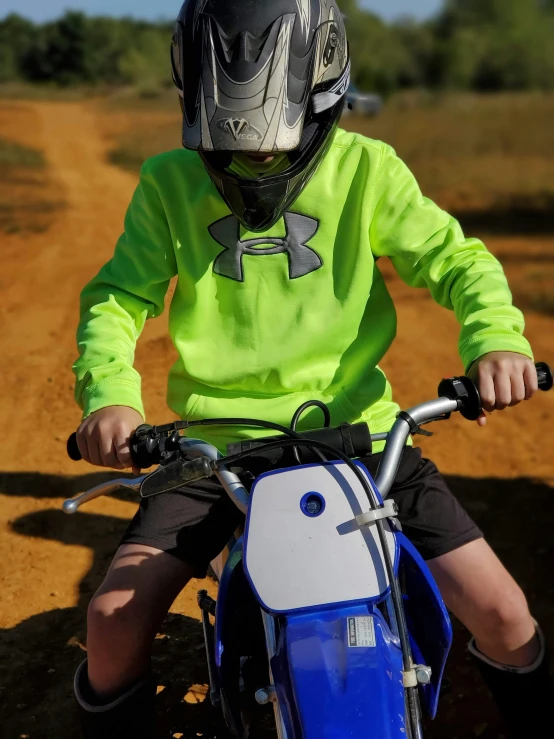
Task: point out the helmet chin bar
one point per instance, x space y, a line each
259 203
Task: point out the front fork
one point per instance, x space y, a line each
208 608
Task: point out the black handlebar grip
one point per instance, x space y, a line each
73 449
142 454
544 376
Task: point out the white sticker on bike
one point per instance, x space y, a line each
361 631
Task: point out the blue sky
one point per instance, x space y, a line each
40 10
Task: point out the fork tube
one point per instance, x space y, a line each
209 641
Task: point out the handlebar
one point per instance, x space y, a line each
146 452
171 450
545 377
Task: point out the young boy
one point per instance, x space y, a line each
273 221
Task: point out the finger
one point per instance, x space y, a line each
83 446
123 449
108 452
94 455
531 381
502 390
118 464
482 420
486 389
518 388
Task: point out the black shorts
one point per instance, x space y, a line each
196 522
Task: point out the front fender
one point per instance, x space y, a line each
339 674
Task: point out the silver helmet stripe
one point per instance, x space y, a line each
206 134
277 86
304 11
324 100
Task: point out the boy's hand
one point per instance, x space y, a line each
504 379
104 437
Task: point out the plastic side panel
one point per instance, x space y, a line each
428 620
341 675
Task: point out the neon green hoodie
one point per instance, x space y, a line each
262 324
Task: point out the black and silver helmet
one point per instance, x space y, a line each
255 77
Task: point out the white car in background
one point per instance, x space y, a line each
363 103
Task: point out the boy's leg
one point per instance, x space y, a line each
482 594
115 689
172 538
126 612
507 646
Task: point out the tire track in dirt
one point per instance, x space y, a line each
43 275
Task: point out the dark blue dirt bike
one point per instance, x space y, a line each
328 623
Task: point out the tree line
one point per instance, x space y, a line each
484 45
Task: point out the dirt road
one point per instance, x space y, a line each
50 564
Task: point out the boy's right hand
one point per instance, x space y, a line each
104 437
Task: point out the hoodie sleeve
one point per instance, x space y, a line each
115 305
428 249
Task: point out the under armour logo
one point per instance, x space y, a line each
300 229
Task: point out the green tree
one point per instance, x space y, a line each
378 55
59 52
495 44
16 38
418 43
146 62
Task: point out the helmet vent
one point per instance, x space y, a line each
244 47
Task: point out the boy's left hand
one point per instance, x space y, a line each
504 379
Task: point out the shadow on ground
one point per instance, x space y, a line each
38 657
517 215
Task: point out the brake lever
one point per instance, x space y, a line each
73 504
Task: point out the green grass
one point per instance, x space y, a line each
141 143
14 155
143 99
23 180
473 152
27 91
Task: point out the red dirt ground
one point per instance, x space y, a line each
50 564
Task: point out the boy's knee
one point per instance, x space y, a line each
507 615
112 619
